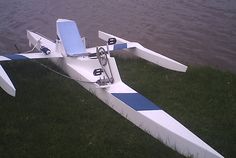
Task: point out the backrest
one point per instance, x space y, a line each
69 35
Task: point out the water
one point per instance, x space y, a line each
196 32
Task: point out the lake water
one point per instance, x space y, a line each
196 32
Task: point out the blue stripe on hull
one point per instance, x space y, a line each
136 101
120 46
15 57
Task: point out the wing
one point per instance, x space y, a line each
28 56
5 82
142 52
47 48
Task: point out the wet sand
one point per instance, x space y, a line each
196 32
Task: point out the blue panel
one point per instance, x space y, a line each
136 101
120 46
70 37
15 57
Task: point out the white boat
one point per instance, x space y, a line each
96 71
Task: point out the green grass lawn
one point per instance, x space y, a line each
55 117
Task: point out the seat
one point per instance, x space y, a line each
69 35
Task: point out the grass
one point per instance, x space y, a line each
55 117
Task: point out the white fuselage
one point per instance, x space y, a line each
127 101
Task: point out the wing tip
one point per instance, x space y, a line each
12 92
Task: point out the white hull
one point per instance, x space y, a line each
124 100
155 122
